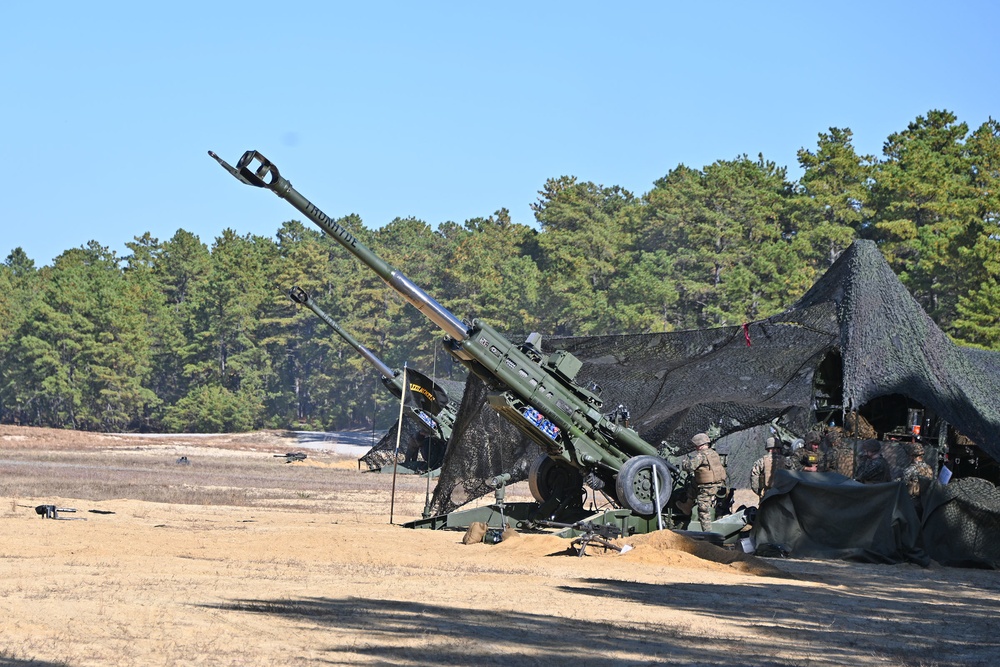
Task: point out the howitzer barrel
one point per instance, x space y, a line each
266 175
299 295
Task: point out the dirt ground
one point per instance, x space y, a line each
238 558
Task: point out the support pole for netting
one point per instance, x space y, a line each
395 455
427 458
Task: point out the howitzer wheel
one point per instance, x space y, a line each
635 484
548 477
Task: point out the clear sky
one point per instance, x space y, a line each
440 110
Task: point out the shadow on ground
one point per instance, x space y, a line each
27 662
817 622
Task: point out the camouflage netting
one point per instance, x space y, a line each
412 441
677 384
483 445
384 452
961 523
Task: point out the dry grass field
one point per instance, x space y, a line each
238 558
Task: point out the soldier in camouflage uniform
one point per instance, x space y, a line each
792 453
762 473
917 475
705 466
839 454
872 468
810 458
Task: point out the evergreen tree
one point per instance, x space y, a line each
179 265
491 274
315 381
832 210
926 210
978 308
643 295
671 208
225 361
141 277
18 289
400 332
727 230
81 356
582 245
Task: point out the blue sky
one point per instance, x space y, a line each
441 111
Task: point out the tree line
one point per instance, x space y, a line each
181 336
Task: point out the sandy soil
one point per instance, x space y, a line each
237 558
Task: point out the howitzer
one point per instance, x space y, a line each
536 392
435 415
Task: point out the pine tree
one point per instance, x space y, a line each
225 360
832 210
978 306
81 356
926 209
582 245
727 231
491 274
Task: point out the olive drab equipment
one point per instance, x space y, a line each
536 392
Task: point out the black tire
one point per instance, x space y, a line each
635 484
548 477
433 450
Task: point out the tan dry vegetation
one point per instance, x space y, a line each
239 559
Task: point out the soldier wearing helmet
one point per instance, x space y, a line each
709 475
762 473
872 468
810 458
840 453
918 475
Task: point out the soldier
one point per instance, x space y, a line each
918 474
839 454
810 458
872 469
762 473
792 453
705 466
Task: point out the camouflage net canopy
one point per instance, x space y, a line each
854 340
483 445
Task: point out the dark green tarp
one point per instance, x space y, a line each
827 515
